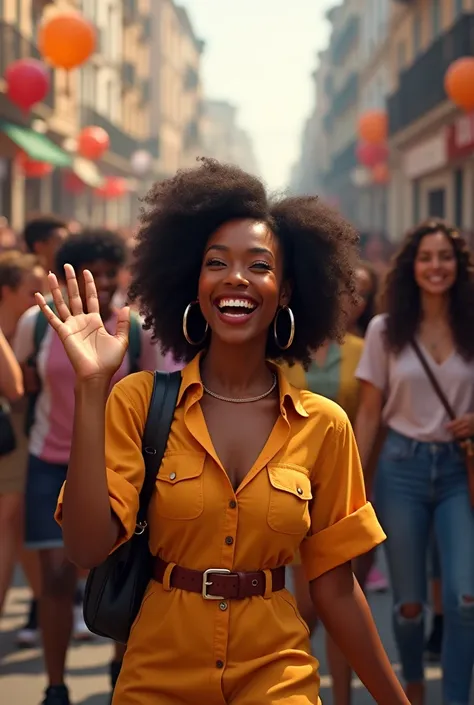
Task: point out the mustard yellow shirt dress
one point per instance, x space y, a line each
305 492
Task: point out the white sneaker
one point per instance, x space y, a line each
80 630
28 635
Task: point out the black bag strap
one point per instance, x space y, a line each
434 382
155 436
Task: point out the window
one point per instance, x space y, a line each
416 33
458 197
437 203
436 17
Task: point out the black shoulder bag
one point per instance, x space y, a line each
114 590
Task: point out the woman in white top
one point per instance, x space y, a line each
421 482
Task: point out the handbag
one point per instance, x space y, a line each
467 444
7 432
114 590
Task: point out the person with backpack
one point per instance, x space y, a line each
50 435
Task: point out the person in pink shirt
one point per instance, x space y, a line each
103 253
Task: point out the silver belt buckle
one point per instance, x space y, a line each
206 582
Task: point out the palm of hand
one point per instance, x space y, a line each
91 349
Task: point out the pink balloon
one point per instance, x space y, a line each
27 81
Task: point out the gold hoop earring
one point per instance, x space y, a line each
185 326
288 310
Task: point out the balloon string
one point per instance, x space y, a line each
67 91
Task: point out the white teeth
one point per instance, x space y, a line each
237 303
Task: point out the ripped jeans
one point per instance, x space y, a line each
421 487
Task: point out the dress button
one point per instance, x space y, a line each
173 476
223 606
232 504
219 664
299 490
229 540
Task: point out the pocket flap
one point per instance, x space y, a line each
178 467
290 479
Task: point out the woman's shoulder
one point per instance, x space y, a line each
322 410
378 324
136 388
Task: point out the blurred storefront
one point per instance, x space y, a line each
431 144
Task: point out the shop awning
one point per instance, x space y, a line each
87 172
36 145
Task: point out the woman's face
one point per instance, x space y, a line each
240 285
364 286
106 280
435 264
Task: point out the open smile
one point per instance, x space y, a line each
235 309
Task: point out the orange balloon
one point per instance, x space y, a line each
373 126
66 40
459 83
381 174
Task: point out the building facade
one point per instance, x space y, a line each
176 91
432 143
50 122
223 139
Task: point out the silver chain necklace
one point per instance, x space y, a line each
249 400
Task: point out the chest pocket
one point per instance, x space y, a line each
180 486
290 493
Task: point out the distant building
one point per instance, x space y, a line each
222 137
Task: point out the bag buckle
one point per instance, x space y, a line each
206 582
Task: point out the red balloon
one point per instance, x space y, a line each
27 82
72 183
371 154
93 142
33 169
114 187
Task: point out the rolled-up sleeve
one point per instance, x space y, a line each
125 418
343 523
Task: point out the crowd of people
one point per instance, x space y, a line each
316 352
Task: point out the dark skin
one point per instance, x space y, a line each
235 367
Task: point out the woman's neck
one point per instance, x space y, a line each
236 371
434 309
8 322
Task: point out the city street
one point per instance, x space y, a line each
22 679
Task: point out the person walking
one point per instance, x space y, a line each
254 469
421 483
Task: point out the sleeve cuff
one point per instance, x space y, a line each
123 499
356 534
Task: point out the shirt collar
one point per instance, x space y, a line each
191 378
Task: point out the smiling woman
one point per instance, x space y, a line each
254 469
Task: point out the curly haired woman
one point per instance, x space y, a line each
254 468
421 481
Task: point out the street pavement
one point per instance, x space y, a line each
22 678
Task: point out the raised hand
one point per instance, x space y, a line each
92 351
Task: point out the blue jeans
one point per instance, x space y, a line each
421 487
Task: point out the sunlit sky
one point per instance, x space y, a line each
259 56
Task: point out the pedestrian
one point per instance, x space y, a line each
103 253
421 483
228 281
20 277
42 236
332 374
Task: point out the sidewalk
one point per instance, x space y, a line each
22 678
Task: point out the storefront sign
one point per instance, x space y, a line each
460 137
426 157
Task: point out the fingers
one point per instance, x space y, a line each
92 300
123 325
49 314
75 301
61 307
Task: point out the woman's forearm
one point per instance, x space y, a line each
89 528
11 377
366 428
343 609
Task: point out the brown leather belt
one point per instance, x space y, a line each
219 584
